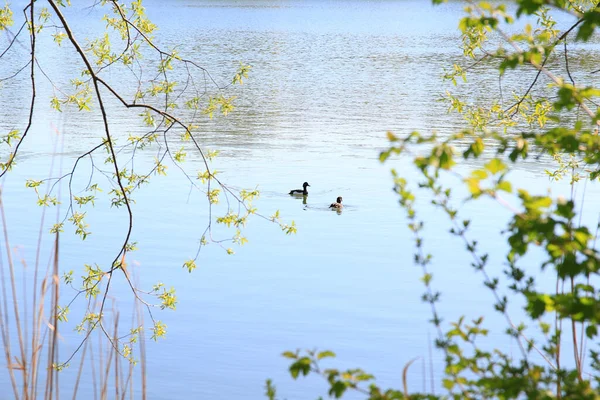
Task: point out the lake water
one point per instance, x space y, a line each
328 79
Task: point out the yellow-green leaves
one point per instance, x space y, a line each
126 351
9 164
166 62
118 198
122 67
339 381
144 141
10 161
140 21
241 74
59 367
221 103
276 216
249 195
591 20
31 183
457 72
59 37
82 200
161 87
101 49
401 143
475 149
56 228
47 200
492 168
159 330
441 157
6 17
540 113
167 298
91 280
535 55
149 118
475 30
325 354
68 277
81 227
239 239
204 176
569 167
159 167
504 186
535 205
12 136
232 218
239 219
474 185
62 313
270 390
55 104
82 97
287 228
211 154
545 235
193 103
570 96
180 155
190 265
213 196
495 166
547 32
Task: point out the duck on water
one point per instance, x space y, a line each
338 203
302 192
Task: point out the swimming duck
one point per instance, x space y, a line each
337 204
303 191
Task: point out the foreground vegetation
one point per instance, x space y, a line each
121 71
554 115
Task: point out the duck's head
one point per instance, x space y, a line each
305 184
339 200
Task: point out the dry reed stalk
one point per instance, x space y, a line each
4 309
36 328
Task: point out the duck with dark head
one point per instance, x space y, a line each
338 203
302 192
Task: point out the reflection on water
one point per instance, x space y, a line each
328 79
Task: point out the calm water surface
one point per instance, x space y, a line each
328 79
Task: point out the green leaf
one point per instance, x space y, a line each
495 165
325 354
190 265
591 331
504 186
448 384
591 20
300 366
337 389
479 174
